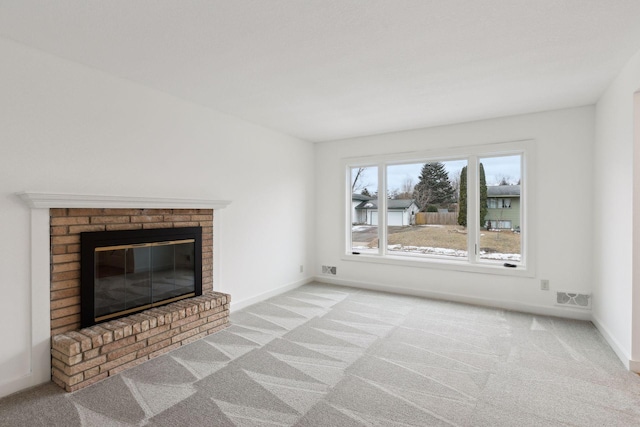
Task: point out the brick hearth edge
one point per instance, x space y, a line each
81 358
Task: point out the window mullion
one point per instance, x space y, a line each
524 228
348 198
473 209
382 209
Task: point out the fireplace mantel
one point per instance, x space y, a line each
37 200
40 203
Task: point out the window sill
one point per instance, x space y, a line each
442 263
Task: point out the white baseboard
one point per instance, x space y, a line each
18 384
615 346
634 366
569 313
237 305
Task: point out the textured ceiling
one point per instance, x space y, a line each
330 69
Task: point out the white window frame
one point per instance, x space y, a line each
525 268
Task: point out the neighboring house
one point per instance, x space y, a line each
503 202
401 211
358 216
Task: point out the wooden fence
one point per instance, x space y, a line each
448 218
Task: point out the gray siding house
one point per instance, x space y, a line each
503 203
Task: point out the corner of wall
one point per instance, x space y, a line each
616 211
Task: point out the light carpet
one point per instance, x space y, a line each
323 355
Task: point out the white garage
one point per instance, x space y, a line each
400 211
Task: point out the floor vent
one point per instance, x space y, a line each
573 299
327 269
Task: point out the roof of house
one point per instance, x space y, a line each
391 204
356 196
503 191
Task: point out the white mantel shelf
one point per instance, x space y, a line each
36 200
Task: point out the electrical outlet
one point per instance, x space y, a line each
301 268
544 284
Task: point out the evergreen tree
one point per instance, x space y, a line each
434 187
462 213
462 205
483 196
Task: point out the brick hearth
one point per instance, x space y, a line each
81 357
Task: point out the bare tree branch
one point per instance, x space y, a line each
358 183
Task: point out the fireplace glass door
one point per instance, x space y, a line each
125 272
137 276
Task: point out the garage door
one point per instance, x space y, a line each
374 218
395 218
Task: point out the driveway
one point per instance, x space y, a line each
362 235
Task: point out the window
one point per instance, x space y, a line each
430 190
461 208
364 209
498 225
500 240
498 203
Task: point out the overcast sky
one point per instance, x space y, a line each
495 169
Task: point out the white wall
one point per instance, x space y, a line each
564 142
616 219
70 129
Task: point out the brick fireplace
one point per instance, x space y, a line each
66 226
80 357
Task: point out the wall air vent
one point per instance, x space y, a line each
573 299
327 269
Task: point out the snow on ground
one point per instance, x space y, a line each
501 257
428 250
356 228
445 252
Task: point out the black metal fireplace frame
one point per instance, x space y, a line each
89 241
